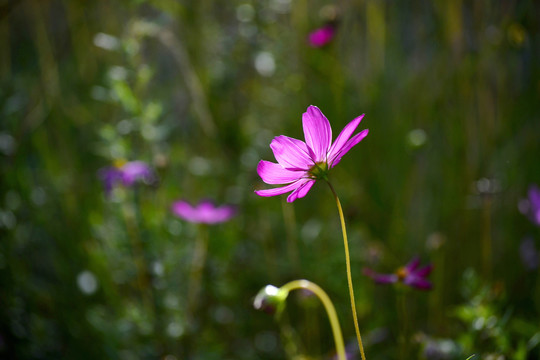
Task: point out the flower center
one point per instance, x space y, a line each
118 163
402 273
318 171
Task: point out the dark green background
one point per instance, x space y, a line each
175 85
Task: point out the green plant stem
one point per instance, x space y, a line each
329 307
402 311
197 269
349 276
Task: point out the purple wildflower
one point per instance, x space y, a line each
410 275
322 36
136 170
205 212
531 205
301 164
109 175
127 174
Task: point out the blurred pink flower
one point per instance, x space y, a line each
300 164
322 36
531 206
127 174
409 275
204 213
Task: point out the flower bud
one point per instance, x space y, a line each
270 299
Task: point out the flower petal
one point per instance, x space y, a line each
109 176
291 153
220 214
353 141
135 170
281 190
301 191
317 132
344 136
424 271
184 210
413 264
534 196
272 173
321 36
417 282
380 278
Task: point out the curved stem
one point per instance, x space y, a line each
329 307
349 276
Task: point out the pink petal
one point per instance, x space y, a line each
425 271
343 137
204 212
301 191
281 190
221 214
317 132
322 36
417 282
413 264
184 210
272 173
353 141
380 278
291 153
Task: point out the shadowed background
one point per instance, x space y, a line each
197 90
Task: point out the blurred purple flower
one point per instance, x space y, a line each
531 206
410 275
528 253
301 164
127 174
204 213
322 36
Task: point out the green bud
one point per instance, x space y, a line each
270 299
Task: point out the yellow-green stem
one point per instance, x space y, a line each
349 276
328 306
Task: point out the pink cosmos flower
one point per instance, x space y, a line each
322 36
204 213
300 164
409 275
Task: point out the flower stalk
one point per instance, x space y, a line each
349 276
197 268
273 299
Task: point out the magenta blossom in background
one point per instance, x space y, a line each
127 175
322 36
204 213
410 275
300 164
531 206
